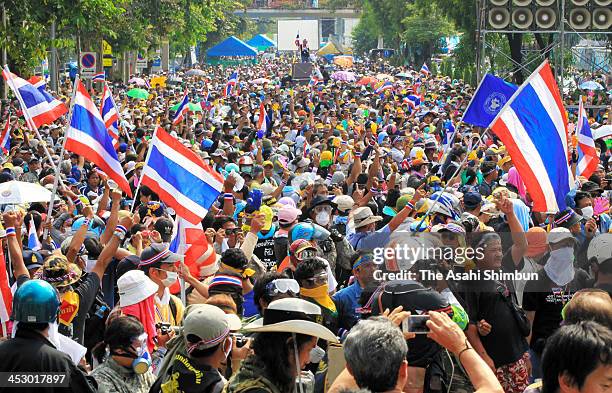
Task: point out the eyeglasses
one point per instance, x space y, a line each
306 253
232 231
282 285
318 280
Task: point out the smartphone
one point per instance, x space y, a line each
415 324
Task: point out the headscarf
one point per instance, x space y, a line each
144 311
515 179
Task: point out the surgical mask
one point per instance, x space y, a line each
170 279
322 218
587 212
316 354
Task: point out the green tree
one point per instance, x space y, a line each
365 34
423 30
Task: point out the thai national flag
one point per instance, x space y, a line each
181 110
231 84
5 136
190 241
413 101
587 155
100 77
33 242
180 177
385 86
87 136
110 114
41 84
262 122
533 127
314 80
425 69
38 107
6 296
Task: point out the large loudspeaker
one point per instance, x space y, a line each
603 3
524 15
579 19
579 3
545 18
522 18
602 18
499 18
301 71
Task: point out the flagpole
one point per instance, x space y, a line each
182 284
143 169
435 202
119 128
57 168
472 99
26 115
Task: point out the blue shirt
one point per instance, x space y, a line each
369 240
347 301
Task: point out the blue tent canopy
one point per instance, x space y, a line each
261 42
231 47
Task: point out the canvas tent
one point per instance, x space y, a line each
231 47
261 42
329 49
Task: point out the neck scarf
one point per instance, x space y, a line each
320 295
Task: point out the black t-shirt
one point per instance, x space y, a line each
489 300
87 288
547 300
605 287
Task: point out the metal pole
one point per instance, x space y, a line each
57 168
143 169
562 44
53 60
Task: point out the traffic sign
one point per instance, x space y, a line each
88 64
107 54
141 62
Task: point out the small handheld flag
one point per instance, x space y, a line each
100 77
5 136
181 110
230 86
425 69
587 155
33 242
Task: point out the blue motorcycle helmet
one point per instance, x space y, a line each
308 231
35 301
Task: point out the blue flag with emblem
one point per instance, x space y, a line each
488 99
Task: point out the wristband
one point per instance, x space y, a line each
86 222
77 201
467 348
410 206
121 228
284 182
329 176
228 195
357 154
10 231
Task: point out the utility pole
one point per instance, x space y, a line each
53 60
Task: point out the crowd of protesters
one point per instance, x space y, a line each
285 291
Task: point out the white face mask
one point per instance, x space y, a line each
587 212
170 279
560 265
322 218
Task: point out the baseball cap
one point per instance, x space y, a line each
344 203
287 214
472 199
208 323
164 227
32 259
158 253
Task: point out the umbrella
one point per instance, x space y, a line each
602 132
138 81
138 93
385 77
195 72
344 76
17 192
367 80
260 81
174 80
403 75
590 85
192 107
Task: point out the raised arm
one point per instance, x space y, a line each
11 219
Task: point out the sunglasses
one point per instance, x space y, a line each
307 253
232 231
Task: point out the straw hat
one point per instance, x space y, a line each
292 315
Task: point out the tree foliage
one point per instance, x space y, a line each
125 24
